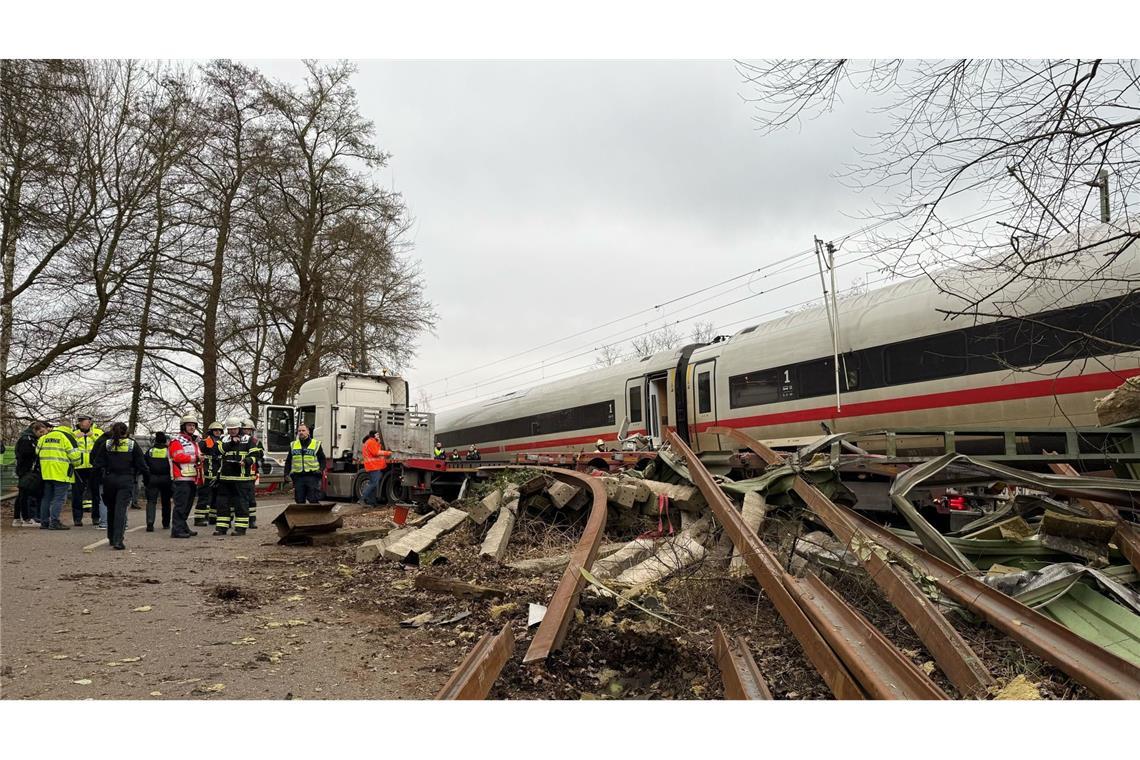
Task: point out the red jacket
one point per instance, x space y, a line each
185 458
375 458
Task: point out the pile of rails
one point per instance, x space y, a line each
1053 569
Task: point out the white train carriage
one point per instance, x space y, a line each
903 364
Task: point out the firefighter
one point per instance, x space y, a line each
375 462
186 472
258 453
473 454
206 512
158 483
58 454
304 463
119 461
236 471
85 491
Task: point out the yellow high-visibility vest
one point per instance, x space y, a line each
86 444
58 456
304 457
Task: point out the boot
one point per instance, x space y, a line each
57 525
239 531
199 522
150 527
118 546
221 531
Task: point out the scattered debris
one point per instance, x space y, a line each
457 588
1018 688
535 614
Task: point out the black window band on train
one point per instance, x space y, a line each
1050 336
599 414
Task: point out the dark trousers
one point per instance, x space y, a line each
119 492
307 488
85 489
162 489
183 493
233 504
27 506
207 508
251 501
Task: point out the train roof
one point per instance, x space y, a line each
903 310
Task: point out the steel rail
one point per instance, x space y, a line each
884 671
1105 674
739 672
552 630
477 673
776 583
954 656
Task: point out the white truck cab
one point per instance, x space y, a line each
340 409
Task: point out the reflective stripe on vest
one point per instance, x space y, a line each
304 458
124 446
57 456
85 442
234 452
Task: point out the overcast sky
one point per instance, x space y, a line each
552 196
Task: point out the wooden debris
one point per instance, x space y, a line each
417 541
495 544
481 511
438 585
370 551
755 509
1082 528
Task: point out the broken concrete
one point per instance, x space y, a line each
674 554
481 511
416 542
1122 405
561 494
619 493
1083 528
540 565
755 509
628 556
684 497
370 551
495 544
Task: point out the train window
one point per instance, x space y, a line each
765 387
704 393
635 404
815 378
938 356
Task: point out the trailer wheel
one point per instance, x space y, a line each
393 488
358 486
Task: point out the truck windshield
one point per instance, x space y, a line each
279 428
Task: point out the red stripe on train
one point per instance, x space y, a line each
1061 386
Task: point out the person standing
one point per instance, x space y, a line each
119 462
26 512
473 454
236 471
438 452
185 473
258 454
58 455
304 464
375 463
85 493
206 513
158 483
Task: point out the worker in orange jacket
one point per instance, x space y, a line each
375 463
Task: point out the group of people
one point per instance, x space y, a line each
100 470
472 454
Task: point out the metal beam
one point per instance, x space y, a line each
477 673
954 656
741 676
776 583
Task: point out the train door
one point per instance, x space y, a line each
702 405
635 405
657 415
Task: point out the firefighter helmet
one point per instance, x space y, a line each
215 426
247 423
233 422
190 417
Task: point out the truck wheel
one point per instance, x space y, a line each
393 488
358 487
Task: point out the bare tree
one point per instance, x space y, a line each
663 338
703 332
609 355
1049 147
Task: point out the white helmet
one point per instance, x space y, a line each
233 422
190 417
247 423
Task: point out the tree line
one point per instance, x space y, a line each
192 236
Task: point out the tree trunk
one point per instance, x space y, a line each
144 319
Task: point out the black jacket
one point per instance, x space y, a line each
119 464
25 452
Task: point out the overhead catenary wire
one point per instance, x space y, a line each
577 352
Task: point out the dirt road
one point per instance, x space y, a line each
232 617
